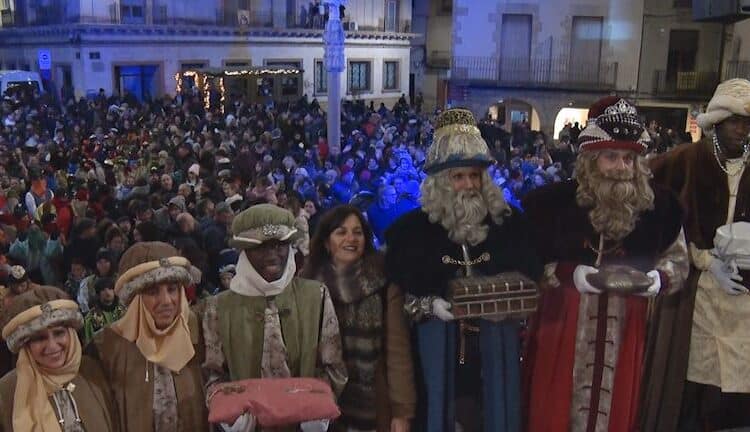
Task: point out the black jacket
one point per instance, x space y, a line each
416 247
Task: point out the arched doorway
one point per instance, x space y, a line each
570 116
507 112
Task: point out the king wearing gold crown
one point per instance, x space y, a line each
612 246
464 228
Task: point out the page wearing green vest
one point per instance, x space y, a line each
241 327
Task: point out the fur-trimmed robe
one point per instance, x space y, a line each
92 396
415 262
377 350
692 173
132 381
586 351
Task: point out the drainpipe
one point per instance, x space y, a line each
640 58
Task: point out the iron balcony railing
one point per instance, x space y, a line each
558 73
241 19
737 69
685 84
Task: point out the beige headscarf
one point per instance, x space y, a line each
34 311
142 266
171 348
32 410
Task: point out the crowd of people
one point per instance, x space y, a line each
166 250
80 182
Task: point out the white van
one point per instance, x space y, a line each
14 78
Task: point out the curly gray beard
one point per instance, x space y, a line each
463 213
616 198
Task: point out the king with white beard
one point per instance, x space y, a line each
470 367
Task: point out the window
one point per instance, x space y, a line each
391 14
321 78
95 55
236 63
132 12
516 47
446 7
585 49
683 3
6 4
192 66
359 76
281 63
390 75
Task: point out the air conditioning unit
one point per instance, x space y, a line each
726 11
350 26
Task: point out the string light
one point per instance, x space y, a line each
200 78
206 93
223 91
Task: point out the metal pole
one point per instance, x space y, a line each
335 62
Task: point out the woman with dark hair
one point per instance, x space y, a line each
380 393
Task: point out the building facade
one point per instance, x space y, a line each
139 45
545 64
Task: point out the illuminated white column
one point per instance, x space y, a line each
335 62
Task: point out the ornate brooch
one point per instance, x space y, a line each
271 230
46 310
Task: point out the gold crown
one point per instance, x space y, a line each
456 120
456 116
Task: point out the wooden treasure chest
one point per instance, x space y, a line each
505 295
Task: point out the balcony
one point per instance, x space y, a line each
685 85
737 69
556 73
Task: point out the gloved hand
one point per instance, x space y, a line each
655 287
441 309
579 279
727 275
244 423
314 426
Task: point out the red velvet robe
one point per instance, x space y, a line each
585 352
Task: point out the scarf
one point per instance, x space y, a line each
356 293
32 411
248 282
171 348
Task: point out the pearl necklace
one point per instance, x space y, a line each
717 150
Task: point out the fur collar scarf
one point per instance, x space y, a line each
360 280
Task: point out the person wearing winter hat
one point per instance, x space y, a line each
585 374
105 310
152 354
54 387
463 219
193 175
699 340
226 274
105 267
18 282
238 346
